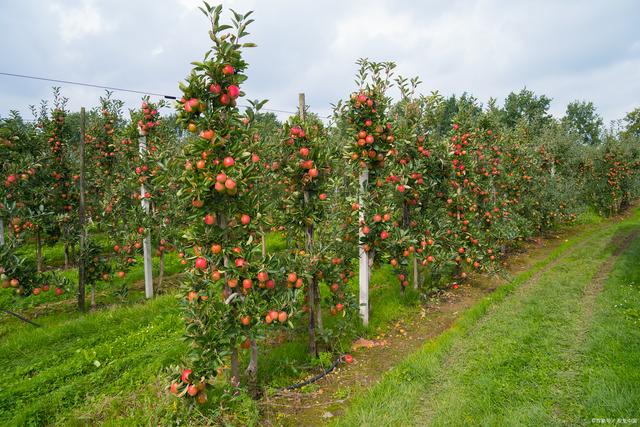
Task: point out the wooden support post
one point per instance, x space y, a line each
1 232
311 290
146 243
83 234
363 273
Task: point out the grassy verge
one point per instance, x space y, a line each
506 360
107 366
608 384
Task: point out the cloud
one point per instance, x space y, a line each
77 22
567 50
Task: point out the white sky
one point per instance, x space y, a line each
568 50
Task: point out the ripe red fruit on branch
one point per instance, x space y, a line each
322 196
400 188
215 89
304 152
227 70
233 91
245 219
209 219
185 375
207 134
216 249
228 162
348 358
292 277
230 184
174 388
192 390
263 276
247 284
201 263
282 317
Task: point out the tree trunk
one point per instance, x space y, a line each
235 365
319 325
10 232
313 284
252 371
161 272
1 232
73 254
81 215
264 243
38 251
235 368
416 273
66 255
405 225
311 293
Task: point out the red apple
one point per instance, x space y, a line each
201 263
192 390
233 91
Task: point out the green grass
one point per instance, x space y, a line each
609 382
518 357
79 362
106 291
53 254
54 372
109 366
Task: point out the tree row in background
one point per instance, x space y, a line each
437 188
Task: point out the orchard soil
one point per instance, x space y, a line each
329 397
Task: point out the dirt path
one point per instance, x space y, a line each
330 396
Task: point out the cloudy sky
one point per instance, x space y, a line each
568 50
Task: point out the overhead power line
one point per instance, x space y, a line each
142 92
119 89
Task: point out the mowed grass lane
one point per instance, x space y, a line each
558 349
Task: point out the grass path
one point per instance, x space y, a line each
536 352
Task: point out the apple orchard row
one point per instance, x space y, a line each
435 199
